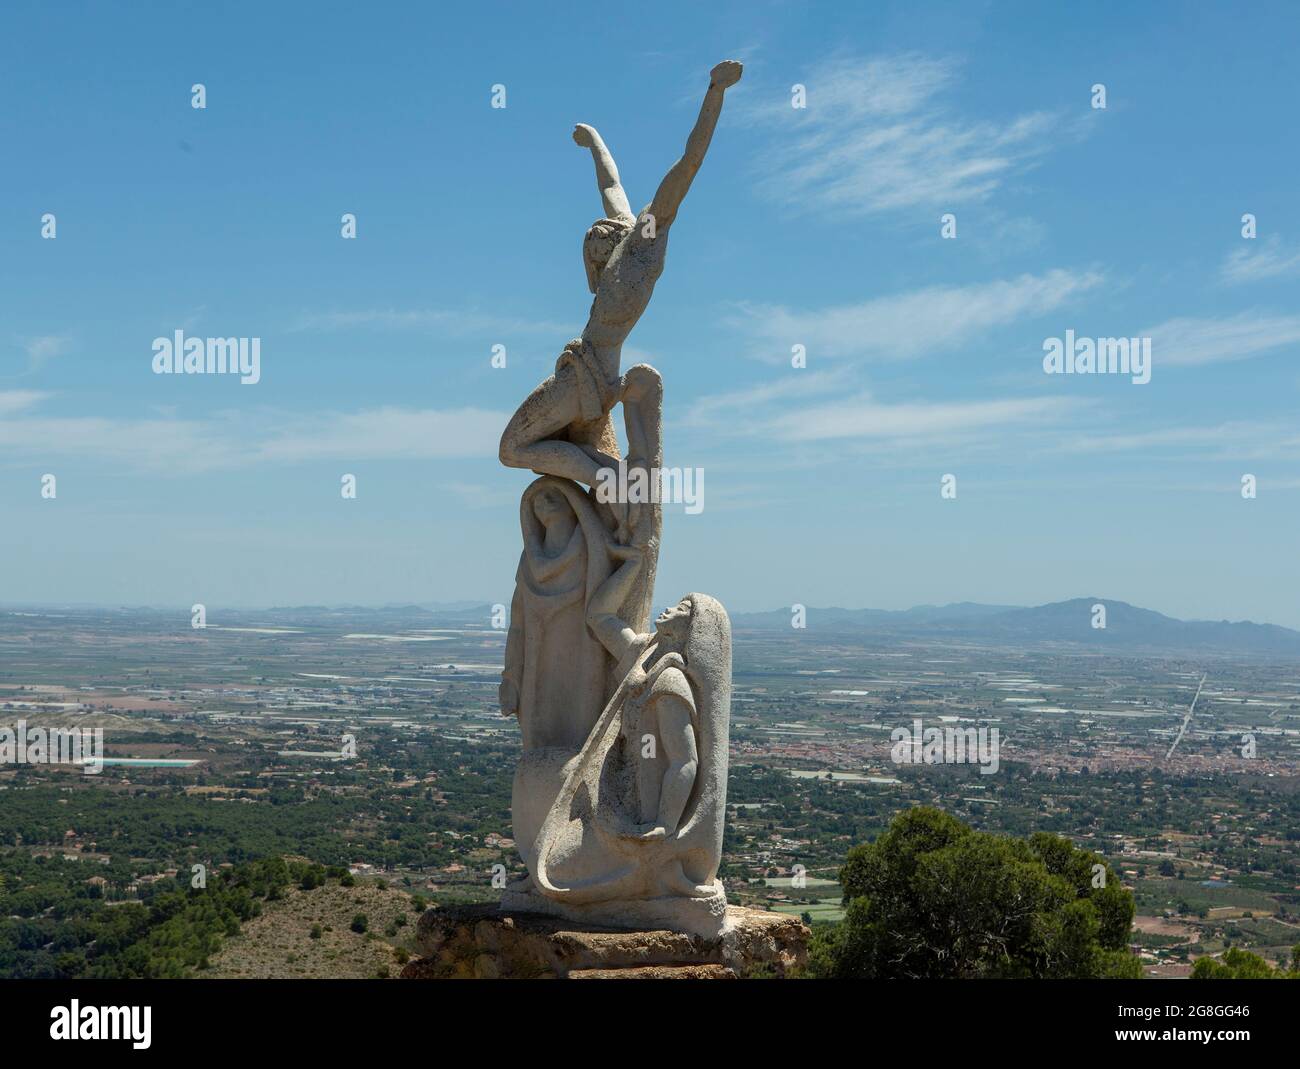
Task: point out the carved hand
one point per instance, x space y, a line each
621 552
640 382
584 135
726 74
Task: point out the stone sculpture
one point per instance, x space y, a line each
619 798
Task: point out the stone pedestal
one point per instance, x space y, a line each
706 916
486 942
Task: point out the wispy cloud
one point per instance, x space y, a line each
864 417
45 348
716 410
877 136
1230 439
388 433
185 447
12 401
912 323
1192 341
456 322
1258 261
42 349
820 407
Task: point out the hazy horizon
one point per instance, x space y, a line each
461 605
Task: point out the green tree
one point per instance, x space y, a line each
931 898
1238 964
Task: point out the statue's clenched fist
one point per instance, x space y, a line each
726 74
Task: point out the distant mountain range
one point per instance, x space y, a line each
1127 626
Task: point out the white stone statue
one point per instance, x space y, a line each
619 798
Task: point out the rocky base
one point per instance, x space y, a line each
705 916
487 942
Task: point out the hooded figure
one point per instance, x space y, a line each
641 812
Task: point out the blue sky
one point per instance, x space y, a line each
817 226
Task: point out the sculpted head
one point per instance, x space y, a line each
674 624
599 244
549 506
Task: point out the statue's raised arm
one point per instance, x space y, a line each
607 181
563 427
624 263
672 190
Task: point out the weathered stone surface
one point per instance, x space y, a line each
483 942
657 972
619 797
702 914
